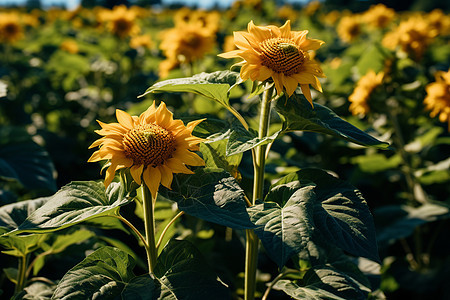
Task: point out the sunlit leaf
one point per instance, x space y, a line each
307 292
242 140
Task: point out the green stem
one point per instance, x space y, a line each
259 161
149 224
167 227
22 269
134 229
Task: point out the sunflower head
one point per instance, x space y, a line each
349 28
379 16
364 87
278 54
10 27
438 97
153 146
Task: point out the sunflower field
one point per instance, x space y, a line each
261 151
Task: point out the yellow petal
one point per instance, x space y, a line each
264 73
143 118
311 44
152 178
97 143
240 41
136 172
189 158
278 80
166 176
286 30
110 172
177 166
290 84
163 116
96 156
124 119
307 93
230 54
261 33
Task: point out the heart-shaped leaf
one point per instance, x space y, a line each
74 203
184 274
298 115
210 194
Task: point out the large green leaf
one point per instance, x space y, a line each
104 274
285 230
184 274
215 86
242 140
210 194
74 203
304 293
215 157
299 115
23 160
341 215
398 221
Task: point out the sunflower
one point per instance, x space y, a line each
70 46
10 28
141 41
278 53
349 28
364 87
120 21
153 146
379 15
438 97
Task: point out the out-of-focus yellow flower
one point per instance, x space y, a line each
280 54
120 21
379 15
438 97
144 41
205 19
335 63
439 22
364 87
182 16
70 46
228 44
30 20
10 27
154 146
349 28
167 65
187 43
286 12
312 7
411 36
331 17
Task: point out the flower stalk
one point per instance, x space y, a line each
259 162
149 224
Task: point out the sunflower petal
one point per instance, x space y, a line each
166 176
286 30
307 93
290 84
177 166
152 178
124 119
136 172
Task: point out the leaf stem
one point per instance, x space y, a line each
138 234
30 266
259 161
275 280
21 274
167 227
149 224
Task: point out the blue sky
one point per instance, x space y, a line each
199 3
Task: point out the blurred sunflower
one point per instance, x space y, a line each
120 21
411 36
187 43
349 28
287 12
439 22
70 46
438 97
153 146
364 87
10 28
312 7
379 16
280 54
141 41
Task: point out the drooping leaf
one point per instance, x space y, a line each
184 274
340 213
104 274
23 160
14 214
210 194
299 115
215 86
215 157
285 230
74 203
400 221
242 140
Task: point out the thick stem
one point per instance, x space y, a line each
149 224
259 160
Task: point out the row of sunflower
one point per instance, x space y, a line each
382 71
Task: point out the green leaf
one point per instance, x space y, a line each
397 222
376 162
74 203
340 213
285 230
301 293
24 160
104 274
298 115
36 291
210 194
140 287
242 140
14 214
184 274
373 59
215 86
336 282
215 157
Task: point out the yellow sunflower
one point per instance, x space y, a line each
364 87
349 28
278 53
70 46
153 146
438 97
379 15
10 27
